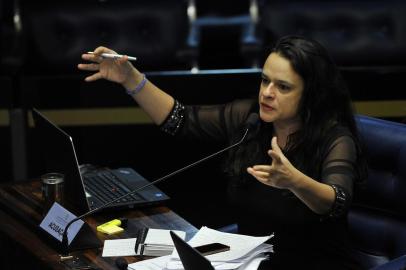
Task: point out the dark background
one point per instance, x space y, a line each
210 57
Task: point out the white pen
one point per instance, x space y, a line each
115 56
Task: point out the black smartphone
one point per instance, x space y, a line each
212 248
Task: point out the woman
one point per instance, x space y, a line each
295 175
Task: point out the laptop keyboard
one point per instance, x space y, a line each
106 186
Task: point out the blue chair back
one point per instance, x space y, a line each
377 220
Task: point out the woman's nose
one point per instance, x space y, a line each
269 91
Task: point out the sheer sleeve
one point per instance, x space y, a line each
207 122
339 171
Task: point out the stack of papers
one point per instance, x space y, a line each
246 252
157 242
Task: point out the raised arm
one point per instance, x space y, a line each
155 102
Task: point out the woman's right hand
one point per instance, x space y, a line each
117 70
155 102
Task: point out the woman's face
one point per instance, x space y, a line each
280 92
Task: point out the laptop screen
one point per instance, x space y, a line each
190 257
58 149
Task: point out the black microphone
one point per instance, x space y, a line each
252 121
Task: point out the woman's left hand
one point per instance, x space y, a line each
280 174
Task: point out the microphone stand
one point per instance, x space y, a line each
65 243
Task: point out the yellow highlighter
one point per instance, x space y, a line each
113 226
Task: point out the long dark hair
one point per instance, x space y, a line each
325 102
325 97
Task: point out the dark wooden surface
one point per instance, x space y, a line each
24 244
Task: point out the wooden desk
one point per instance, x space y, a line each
22 244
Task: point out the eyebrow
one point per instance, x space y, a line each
263 75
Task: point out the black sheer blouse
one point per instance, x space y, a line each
300 234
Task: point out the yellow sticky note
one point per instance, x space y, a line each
110 227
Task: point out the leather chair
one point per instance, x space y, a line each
57 33
226 28
377 220
356 33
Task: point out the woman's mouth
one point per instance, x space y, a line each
266 107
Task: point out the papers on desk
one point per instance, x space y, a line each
156 242
150 242
246 252
119 247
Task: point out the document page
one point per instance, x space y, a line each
161 237
119 247
240 245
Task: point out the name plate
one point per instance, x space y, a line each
56 220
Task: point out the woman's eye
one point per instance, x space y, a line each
284 87
264 81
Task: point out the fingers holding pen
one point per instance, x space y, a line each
92 58
96 55
99 50
106 55
95 66
107 64
95 60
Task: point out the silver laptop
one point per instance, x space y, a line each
88 190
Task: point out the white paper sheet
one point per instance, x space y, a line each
160 237
158 263
119 247
239 244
